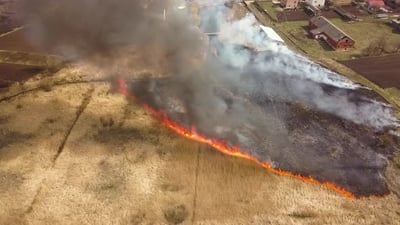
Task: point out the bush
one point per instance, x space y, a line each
176 215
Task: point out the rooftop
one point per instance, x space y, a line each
330 29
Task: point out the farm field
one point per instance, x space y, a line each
384 70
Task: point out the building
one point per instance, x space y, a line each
289 4
316 3
322 28
375 3
271 34
340 2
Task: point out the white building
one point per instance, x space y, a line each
316 3
271 34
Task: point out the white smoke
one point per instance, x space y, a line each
171 41
247 32
281 60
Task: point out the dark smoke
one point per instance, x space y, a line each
156 36
82 28
277 105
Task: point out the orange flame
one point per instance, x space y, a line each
224 148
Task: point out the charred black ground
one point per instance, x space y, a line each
290 135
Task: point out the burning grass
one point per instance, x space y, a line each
97 184
227 149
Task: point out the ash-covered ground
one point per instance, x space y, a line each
278 105
287 131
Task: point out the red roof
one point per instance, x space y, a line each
376 3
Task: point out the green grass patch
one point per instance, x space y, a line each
365 33
296 35
269 8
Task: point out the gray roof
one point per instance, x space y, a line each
325 26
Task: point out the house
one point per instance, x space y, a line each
316 3
289 4
322 28
341 2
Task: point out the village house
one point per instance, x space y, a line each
322 28
316 3
289 4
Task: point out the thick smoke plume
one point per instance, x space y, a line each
163 39
79 29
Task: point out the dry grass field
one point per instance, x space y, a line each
79 153
74 151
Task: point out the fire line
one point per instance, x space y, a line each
224 148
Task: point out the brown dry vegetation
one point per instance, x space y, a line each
74 152
120 166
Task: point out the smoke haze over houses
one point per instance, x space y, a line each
80 29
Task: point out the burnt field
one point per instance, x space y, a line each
8 22
17 41
321 130
383 70
10 73
20 59
288 136
7 25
